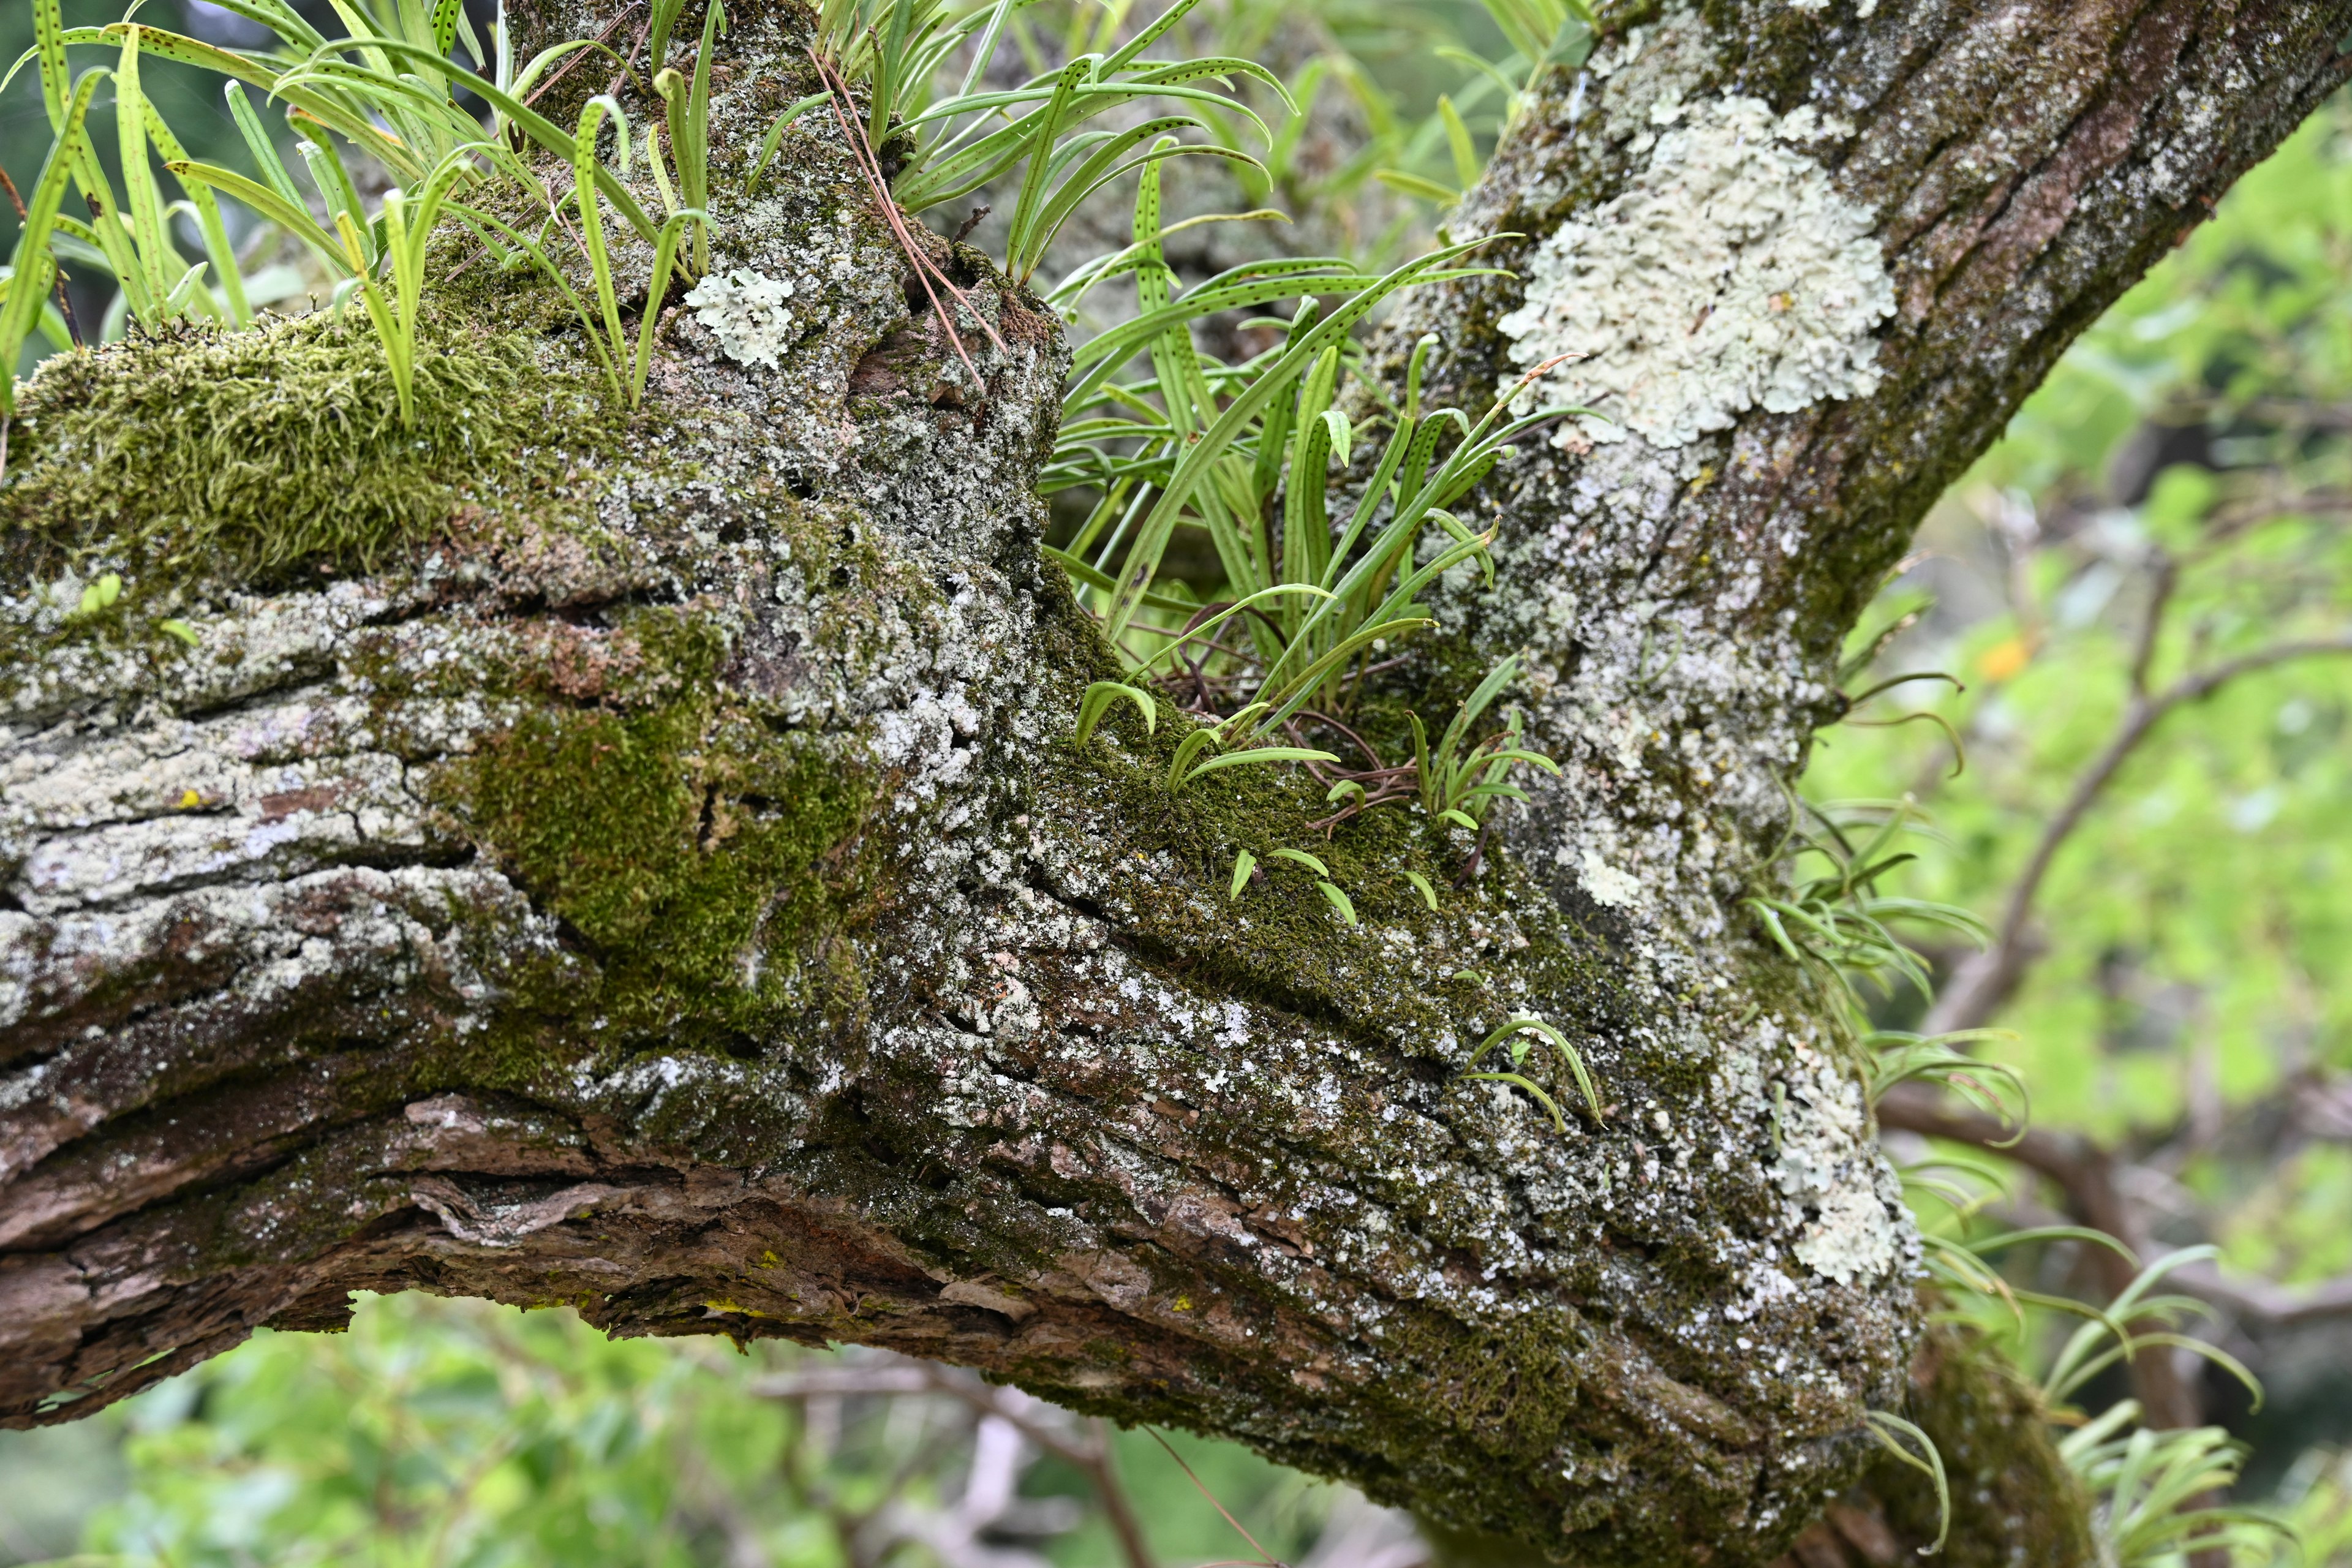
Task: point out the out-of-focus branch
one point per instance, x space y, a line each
2165 574
1989 978
2084 1174
2265 1301
1091 1457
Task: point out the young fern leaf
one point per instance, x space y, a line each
688 105
1520 1080
1421 884
1243 864
143 204
661 22
1303 858
585 166
1152 537
1929 1461
199 204
1339 901
408 220
775 137
665 260
1518 1048
1097 701
1182 771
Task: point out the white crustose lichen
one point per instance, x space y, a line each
1731 275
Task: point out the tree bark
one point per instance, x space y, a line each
667 886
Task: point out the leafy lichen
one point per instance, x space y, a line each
1731 276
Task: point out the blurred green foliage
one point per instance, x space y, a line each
457 1433
2194 930
2188 1003
189 101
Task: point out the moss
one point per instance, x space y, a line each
273 452
697 857
2013 1499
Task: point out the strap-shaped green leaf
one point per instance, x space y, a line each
1254 756
1243 864
529 121
34 266
294 218
1151 538
1097 700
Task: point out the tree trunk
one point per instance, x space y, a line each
640 862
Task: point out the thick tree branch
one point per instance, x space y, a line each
667 888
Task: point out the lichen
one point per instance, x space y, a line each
746 311
1842 1205
1731 275
1608 886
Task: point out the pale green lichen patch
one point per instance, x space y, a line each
746 312
1731 276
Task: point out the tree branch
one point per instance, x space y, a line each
1988 979
669 888
2084 1173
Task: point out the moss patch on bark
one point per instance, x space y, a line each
2013 1499
276 453
703 860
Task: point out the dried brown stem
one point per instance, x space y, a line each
870 165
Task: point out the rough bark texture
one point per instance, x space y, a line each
656 878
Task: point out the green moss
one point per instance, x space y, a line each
697 855
2013 1499
273 451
